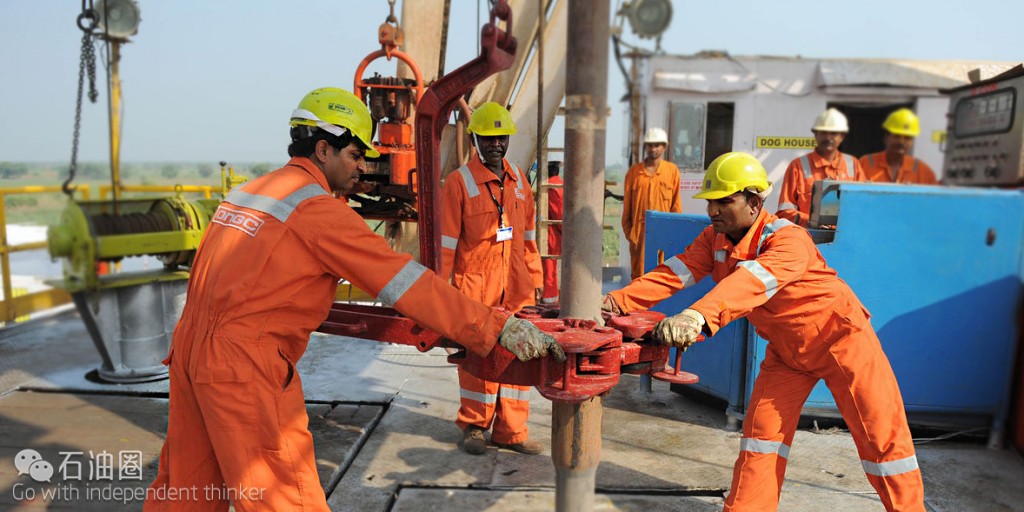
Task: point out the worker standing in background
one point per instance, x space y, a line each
895 165
825 162
649 185
555 208
489 249
263 279
770 271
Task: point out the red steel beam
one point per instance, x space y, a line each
497 53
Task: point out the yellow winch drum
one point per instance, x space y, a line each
129 315
168 228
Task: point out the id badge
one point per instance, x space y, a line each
505 234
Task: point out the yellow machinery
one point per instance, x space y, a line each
130 316
106 231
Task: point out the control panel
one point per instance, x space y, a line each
985 137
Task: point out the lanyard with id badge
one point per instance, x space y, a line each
504 233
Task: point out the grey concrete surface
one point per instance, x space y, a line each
382 420
418 499
77 428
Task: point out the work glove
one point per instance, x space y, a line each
609 305
526 341
680 330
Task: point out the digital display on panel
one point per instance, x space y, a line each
985 114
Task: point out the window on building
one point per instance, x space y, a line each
686 136
719 131
699 133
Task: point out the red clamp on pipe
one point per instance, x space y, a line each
591 366
674 374
641 355
634 326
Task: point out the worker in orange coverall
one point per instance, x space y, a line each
489 249
825 162
263 279
768 270
895 165
555 209
649 185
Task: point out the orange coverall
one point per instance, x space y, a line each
555 209
496 273
644 191
912 170
816 329
263 279
795 199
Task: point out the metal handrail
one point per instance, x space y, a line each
206 190
11 307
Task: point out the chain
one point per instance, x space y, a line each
391 17
86 64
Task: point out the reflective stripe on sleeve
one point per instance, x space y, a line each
279 209
403 280
448 242
787 206
530 234
514 394
520 177
749 444
677 266
769 230
467 177
891 468
762 274
806 164
483 398
779 224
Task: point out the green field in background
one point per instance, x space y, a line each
44 209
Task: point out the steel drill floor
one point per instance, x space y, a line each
381 417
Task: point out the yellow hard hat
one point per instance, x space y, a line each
903 122
731 173
491 119
336 110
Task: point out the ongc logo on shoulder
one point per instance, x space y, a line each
243 221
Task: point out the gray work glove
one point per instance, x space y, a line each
680 330
526 341
609 305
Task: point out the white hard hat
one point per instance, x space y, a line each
831 120
655 136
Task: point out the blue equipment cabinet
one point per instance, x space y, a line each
941 270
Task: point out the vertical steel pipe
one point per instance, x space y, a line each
576 452
576 428
636 150
586 109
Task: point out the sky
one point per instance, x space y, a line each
208 81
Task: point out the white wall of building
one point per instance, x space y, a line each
777 97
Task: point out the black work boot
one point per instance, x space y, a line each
473 441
